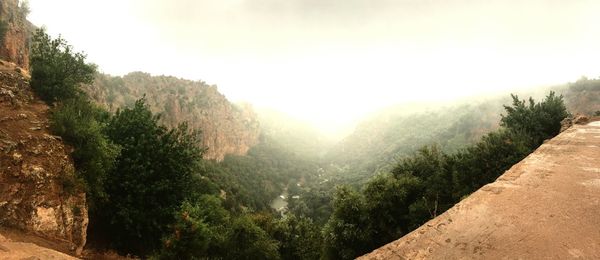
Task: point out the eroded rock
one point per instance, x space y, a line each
33 165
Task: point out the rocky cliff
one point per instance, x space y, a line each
226 128
37 185
544 207
14 33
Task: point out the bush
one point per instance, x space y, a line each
199 230
346 235
56 70
81 124
300 238
539 120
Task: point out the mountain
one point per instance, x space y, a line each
226 128
14 33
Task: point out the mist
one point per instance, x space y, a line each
331 62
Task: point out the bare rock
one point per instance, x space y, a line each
33 164
581 119
565 124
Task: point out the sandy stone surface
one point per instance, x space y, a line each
19 250
545 207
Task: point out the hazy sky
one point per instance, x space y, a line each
330 61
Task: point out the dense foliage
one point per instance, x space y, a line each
153 195
153 174
539 120
56 70
82 125
428 183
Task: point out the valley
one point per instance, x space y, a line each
149 166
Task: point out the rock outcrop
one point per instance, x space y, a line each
14 44
545 207
578 119
37 185
226 128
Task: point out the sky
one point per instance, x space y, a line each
330 62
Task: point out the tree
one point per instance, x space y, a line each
346 235
200 230
156 171
300 238
56 70
246 240
82 124
485 161
540 120
430 166
389 204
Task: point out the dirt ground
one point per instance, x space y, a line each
545 207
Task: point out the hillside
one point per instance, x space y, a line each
379 141
544 207
390 134
37 188
226 128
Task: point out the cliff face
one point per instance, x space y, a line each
14 44
226 128
544 207
37 191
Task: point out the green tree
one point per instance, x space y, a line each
540 120
430 166
82 125
155 172
247 240
200 231
300 238
346 235
389 204
485 161
56 70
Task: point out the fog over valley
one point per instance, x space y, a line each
331 62
299 129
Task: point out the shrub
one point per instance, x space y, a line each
81 124
540 120
56 70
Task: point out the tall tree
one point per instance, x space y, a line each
57 70
155 172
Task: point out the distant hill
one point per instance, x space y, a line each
582 96
226 128
380 140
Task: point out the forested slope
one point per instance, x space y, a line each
226 128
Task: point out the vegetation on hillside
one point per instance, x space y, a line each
226 128
57 71
153 195
424 185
